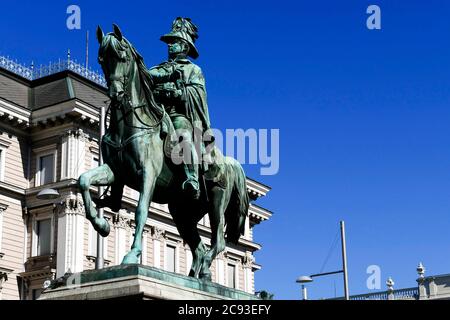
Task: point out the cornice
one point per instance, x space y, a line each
14 115
12 188
256 189
258 213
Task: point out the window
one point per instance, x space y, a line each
170 258
231 276
43 232
46 166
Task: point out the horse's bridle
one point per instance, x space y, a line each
127 99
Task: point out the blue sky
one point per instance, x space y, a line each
363 118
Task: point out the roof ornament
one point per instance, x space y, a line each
421 270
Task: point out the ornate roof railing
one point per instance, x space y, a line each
16 68
34 73
407 293
399 294
371 296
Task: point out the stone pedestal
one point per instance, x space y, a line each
140 283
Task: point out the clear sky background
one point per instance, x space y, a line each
363 117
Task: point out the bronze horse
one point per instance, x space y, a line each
133 151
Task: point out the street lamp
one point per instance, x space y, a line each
47 194
302 280
305 279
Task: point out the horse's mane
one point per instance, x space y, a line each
112 44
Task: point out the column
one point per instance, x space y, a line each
3 278
178 247
158 237
120 228
220 268
3 207
247 264
70 244
247 229
73 153
188 255
144 255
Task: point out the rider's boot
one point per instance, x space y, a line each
191 186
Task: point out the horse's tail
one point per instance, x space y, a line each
237 209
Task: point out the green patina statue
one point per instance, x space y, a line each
180 87
155 116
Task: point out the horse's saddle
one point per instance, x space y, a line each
212 165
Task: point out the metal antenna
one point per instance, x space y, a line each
87 49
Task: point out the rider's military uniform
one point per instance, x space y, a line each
179 86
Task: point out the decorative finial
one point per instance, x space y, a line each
68 54
390 284
421 270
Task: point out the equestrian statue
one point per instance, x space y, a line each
159 143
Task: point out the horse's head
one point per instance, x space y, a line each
115 55
126 73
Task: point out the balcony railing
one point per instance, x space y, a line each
39 262
400 294
371 296
406 294
33 73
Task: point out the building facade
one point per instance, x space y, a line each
49 123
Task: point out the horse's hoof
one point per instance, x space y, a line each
205 276
131 258
102 227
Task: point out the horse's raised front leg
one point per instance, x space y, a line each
103 176
217 221
147 187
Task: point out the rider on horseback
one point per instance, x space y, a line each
179 85
135 153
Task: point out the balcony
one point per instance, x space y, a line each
40 262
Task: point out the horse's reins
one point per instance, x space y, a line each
148 128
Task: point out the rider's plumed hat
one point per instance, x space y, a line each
183 28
